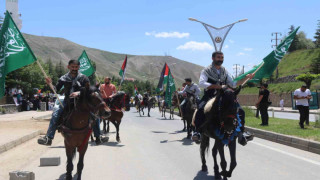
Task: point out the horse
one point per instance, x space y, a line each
118 101
76 127
146 104
190 107
175 103
137 102
222 124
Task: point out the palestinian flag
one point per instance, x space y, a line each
123 70
163 77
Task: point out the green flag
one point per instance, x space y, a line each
14 50
271 61
86 67
171 88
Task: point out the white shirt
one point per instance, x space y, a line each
299 93
281 102
204 78
140 96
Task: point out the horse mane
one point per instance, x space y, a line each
209 105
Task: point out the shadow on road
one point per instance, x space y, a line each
178 132
185 141
54 147
203 175
162 119
159 132
63 177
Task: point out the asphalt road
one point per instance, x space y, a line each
154 148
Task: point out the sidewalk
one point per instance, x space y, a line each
20 127
286 109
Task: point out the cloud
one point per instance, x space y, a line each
195 46
231 41
247 49
226 46
168 34
241 54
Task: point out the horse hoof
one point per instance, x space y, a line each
148 115
204 168
184 129
218 177
68 177
189 137
118 140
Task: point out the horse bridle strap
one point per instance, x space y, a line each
65 129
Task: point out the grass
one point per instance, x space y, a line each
284 126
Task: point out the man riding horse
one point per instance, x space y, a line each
192 89
212 79
72 82
107 90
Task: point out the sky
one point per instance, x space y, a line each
146 27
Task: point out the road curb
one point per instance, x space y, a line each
303 144
287 111
7 146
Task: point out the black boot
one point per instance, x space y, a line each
45 141
101 139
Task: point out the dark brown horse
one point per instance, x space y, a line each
118 102
76 128
222 124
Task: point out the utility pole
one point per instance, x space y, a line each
235 66
275 45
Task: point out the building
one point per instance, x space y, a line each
13 8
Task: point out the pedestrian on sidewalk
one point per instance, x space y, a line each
263 104
302 96
282 104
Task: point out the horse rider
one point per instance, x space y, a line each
145 98
192 89
107 90
75 80
212 78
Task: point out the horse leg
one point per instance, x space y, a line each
117 125
203 146
233 163
91 137
188 129
80 163
223 162
108 128
214 155
104 127
70 154
149 111
184 125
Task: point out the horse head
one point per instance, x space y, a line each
226 106
90 97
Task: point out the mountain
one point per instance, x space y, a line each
108 63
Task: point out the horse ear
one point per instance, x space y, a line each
238 89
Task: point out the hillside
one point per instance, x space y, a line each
297 62
108 63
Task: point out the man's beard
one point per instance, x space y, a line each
107 82
74 72
218 63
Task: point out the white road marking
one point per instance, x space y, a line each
289 154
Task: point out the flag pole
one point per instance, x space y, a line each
253 73
50 84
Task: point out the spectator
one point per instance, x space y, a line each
282 104
302 96
263 103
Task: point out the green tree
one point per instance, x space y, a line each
315 68
307 78
304 42
317 36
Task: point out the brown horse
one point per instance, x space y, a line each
76 128
119 101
